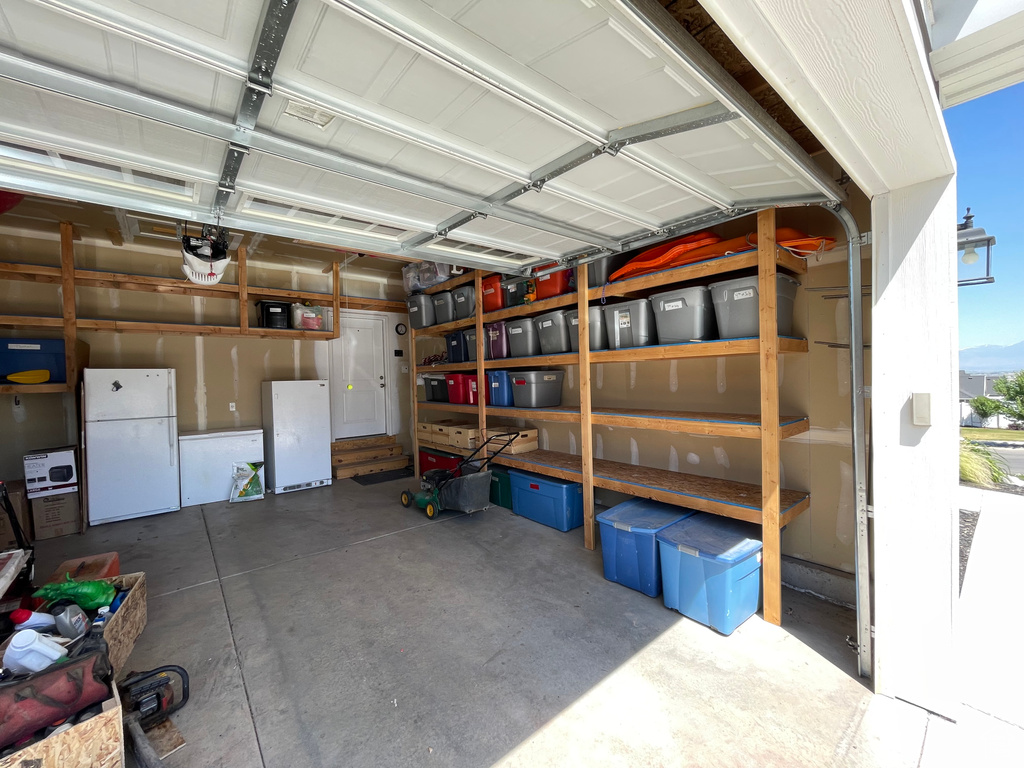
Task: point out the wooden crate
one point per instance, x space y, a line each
127 623
96 743
526 440
463 436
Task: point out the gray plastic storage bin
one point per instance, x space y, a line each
553 331
630 324
421 311
436 387
599 271
598 336
522 337
536 389
465 301
444 307
685 314
736 306
470 336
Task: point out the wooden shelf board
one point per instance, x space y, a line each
534 308
446 367
33 389
695 271
569 358
288 333
33 273
455 407
441 330
719 348
30 321
728 498
694 423
90 278
379 305
455 282
449 448
562 413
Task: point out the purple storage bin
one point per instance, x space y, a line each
496 338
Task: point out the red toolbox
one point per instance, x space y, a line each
458 387
430 459
494 297
554 284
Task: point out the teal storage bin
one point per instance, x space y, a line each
501 487
555 503
711 570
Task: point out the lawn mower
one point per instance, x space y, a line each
442 489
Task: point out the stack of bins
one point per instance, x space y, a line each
421 311
444 307
685 314
464 298
553 332
598 337
629 548
629 324
493 296
523 340
501 389
555 503
711 570
496 340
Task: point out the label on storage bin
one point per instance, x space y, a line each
493 335
547 323
274 309
574 321
488 291
25 346
624 321
747 294
534 487
515 330
552 377
668 305
544 277
460 297
413 308
455 342
518 382
438 302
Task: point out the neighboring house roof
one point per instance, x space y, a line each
975 384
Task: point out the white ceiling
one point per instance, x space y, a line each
431 110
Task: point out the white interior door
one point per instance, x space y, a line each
358 383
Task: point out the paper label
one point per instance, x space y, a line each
669 305
574 321
552 377
515 330
544 277
28 346
747 294
547 323
274 309
460 297
623 321
438 302
488 291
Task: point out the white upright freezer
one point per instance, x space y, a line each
131 443
296 435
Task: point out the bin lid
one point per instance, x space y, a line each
713 537
643 515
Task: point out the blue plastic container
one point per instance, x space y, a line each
546 500
628 545
18 355
711 570
501 388
458 351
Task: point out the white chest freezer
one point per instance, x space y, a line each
207 458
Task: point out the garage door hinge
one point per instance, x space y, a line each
870 510
863 239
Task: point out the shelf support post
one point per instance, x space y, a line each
336 301
482 386
586 425
413 368
243 290
69 311
771 565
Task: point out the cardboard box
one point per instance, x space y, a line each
464 436
54 516
16 492
51 472
526 440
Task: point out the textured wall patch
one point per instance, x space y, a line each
598 446
599 375
673 459
673 376
572 443
544 438
634 451
721 456
692 458
720 375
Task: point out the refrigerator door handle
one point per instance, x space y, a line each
170 439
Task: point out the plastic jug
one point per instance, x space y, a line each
31 652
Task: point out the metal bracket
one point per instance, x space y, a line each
864 239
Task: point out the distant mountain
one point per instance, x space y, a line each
993 359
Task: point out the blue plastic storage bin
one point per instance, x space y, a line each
628 545
711 570
501 388
546 500
18 355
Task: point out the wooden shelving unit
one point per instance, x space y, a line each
766 504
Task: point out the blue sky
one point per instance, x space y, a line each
988 140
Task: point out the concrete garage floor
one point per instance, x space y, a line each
332 627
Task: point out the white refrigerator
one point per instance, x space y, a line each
296 435
131 443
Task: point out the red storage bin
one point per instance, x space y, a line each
554 284
494 297
437 460
473 391
458 388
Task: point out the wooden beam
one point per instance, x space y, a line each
586 422
336 299
768 343
28 321
243 289
415 402
29 272
68 306
482 384
147 283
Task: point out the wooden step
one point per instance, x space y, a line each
363 455
356 443
371 467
